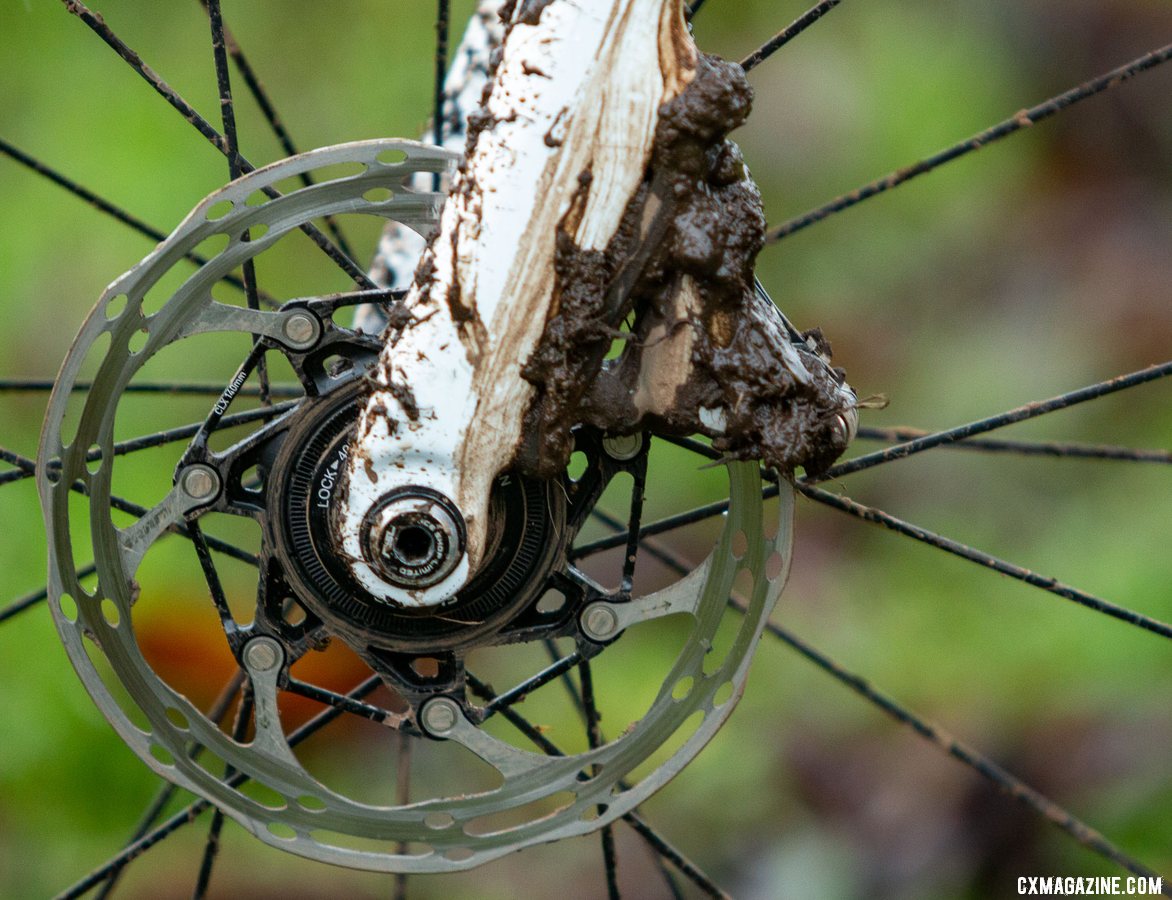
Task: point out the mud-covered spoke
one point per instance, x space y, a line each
787 34
1019 120
986 560
1001 420
1003 780
1049 449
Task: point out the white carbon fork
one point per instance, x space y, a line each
578 89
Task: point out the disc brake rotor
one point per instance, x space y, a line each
295 447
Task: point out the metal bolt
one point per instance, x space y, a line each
600 622
623 446
415 541
262 654
439 716
300 329
200 482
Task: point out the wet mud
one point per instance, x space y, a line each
697 223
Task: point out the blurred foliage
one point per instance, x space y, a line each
1028 269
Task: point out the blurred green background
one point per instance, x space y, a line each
1028 269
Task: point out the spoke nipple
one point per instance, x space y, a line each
262 654
600 622
199 482
300 330
623 446
440 716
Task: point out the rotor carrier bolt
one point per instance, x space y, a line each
439 716
199 482
262 654
600 622
300 329
623 446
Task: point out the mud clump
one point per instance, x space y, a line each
742 379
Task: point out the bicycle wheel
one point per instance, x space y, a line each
820 752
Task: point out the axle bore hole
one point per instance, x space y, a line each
413 544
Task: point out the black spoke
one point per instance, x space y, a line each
1005 781
988 561
1023 119
1002 779
35 385
160 438
638 489
787 34
542 678
105 206
212 844
1020 414
654 839
127 506
168 790
402 798
257 89
38 596
217 140
339 702
189 813
442 23
670 523
228 116
594 738
1053 449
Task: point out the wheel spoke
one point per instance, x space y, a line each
442 23
1050 585
542 678
212 844
36 385
28 601
669 523
228 116
189 813
134 509
984 766
168 790
159 438
1024 448
1020 414
339 702
1005 781
1014 123
594 739
787 34
110 209
402 798
217 140
276 125
636 821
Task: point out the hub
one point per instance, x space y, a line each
411 539
414 537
